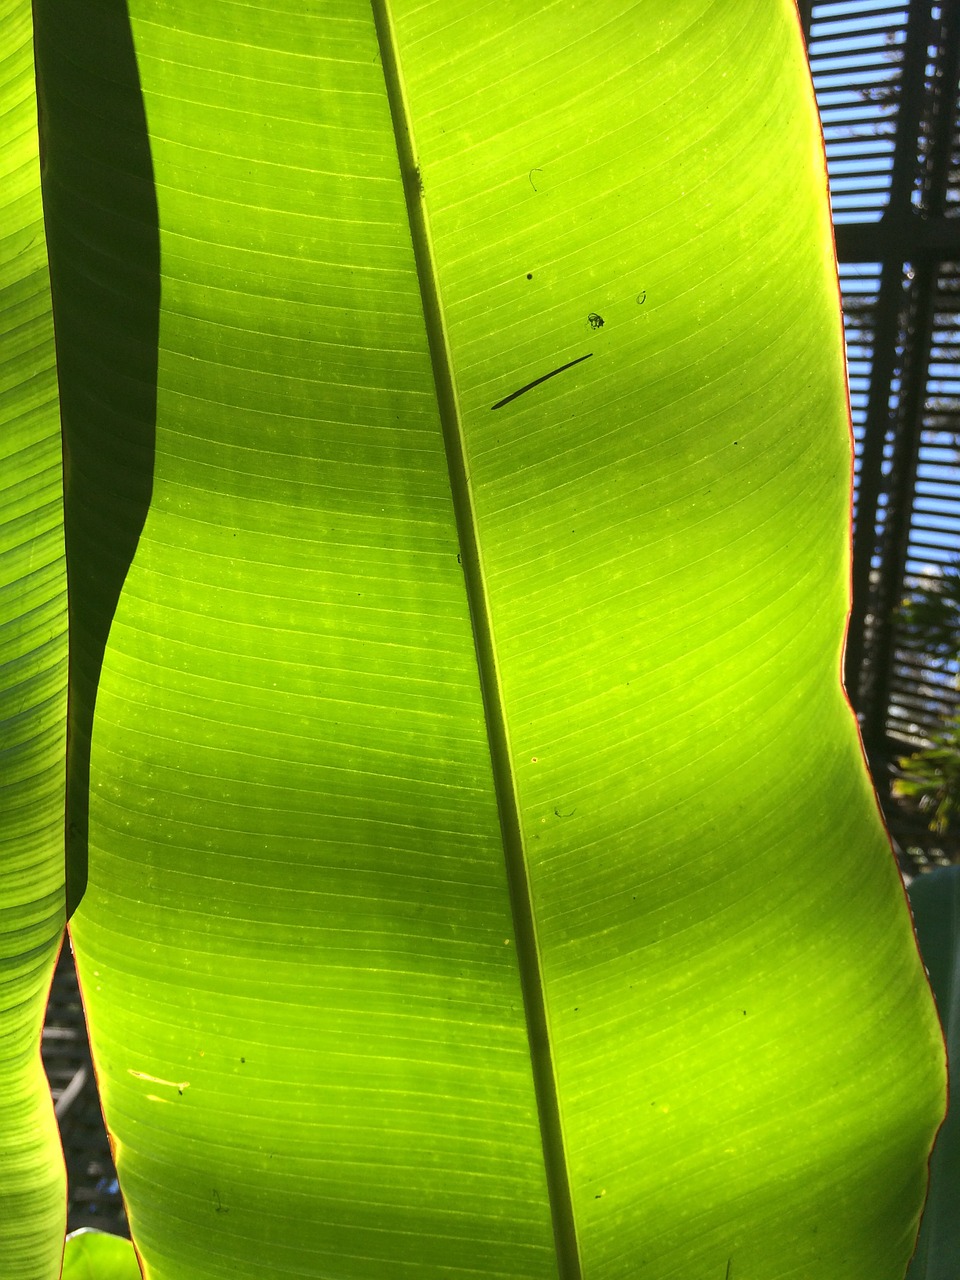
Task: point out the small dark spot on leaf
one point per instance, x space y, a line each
243 1059
641 298
595 321
459 561
529 275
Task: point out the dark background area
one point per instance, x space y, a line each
93 1194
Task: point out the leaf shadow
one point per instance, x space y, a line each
103 239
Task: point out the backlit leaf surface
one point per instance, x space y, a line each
484 878
32 681
95 1255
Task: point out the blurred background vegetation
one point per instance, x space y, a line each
925 785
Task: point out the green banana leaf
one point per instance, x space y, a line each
474 865
935 899
32 681
95 1255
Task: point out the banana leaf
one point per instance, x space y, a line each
935 899
96 1255
473 864
33 650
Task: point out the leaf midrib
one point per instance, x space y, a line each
528 958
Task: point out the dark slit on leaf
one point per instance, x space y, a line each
536 382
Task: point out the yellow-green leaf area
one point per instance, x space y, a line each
484 876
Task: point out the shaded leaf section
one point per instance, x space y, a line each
101 220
